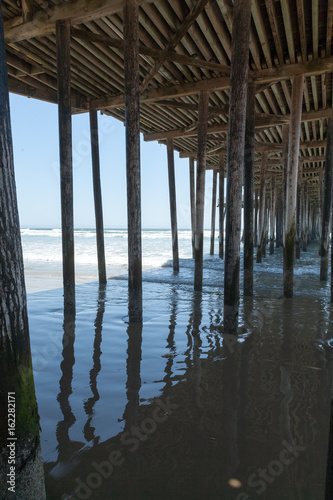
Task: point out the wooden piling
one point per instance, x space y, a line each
293 152
200 189
236 142
272 215
299 211
305 217
97 196
173 206
18 390
327 204
249 189
256 209
192 201
221 205
132 110
285 148
212 231
66 165
262 207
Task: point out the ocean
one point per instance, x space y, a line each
174 408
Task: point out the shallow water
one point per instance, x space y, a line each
175 409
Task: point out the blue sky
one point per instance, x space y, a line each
36 160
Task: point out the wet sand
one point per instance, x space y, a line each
176 409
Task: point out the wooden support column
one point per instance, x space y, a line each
236 143
200 191
293 152
212 232
66 165
249 189
256 208
279 219
97 196
305 216
285 148
15 355
298 236
321 202
262 207
272 215
192 202
132 112
327 204
221 205
173 206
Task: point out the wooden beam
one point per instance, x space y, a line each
262 206
78 12
97 196
192 201
66 165
213 218
147 51
27 10
221 205
261 31
301 26
249 190
272 212
315 27
329 27
182 30
293 153
200 191
132 105
236 142
173 206
289 32
275 29
327 205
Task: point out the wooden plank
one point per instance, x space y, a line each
314 4
293 152
78 12
200 190
213 218
261 31
132 105
288 29
236 143
249 190
155 53
329 26
183 29
301 27
173 205
66 165
275 29
27 10
97 196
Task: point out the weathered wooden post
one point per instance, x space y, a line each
132 110
236 142
262 207
97 196
173 206
272 215
299 214
285 148
221 205
249 189
19 429
192 202
66 164
293 152
200 192
327 204
212 231
305 216
256 208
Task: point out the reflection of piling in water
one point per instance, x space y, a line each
65 386
133 369
90 403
